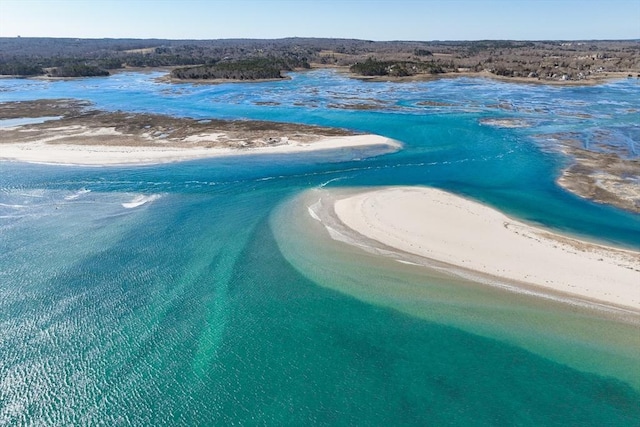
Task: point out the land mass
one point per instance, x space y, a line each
241 70
235 59
67 131
431 227
606 172
608 178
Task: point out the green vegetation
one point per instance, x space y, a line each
110 63
422 52
246 59
247 69
374 67
371 67
20 69
77 70
162 59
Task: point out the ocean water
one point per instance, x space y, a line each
199 293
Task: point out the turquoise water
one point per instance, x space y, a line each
200 306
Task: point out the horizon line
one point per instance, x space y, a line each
321 38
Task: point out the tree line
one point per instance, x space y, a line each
375 67
247 69
546 59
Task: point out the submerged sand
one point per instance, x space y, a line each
472 237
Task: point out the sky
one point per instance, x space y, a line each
423 20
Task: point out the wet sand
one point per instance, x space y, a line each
472 237
75 134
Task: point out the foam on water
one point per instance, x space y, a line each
140 200
77 194
313 208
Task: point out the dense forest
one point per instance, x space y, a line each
374 67
219 58
244 69
77 70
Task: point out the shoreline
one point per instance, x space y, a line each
174 80
593 81
479 241
130 155
607 176
68 132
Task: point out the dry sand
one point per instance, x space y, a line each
43 151
67 131
467 235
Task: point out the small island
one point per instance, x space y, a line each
253 69
423 226
77 70
374 67
67 131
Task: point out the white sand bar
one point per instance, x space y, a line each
95 154
444 227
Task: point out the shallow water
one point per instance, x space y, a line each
7 123
169 294
570 331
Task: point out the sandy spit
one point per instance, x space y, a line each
41 151
441 226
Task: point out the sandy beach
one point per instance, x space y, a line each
70 132
40 151
472 237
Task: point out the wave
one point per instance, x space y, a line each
77 194
312 210
140 200
324 184
6 205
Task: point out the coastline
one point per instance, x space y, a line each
67 131
590 81
121 155
604 178
473 238
607 174
173 80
